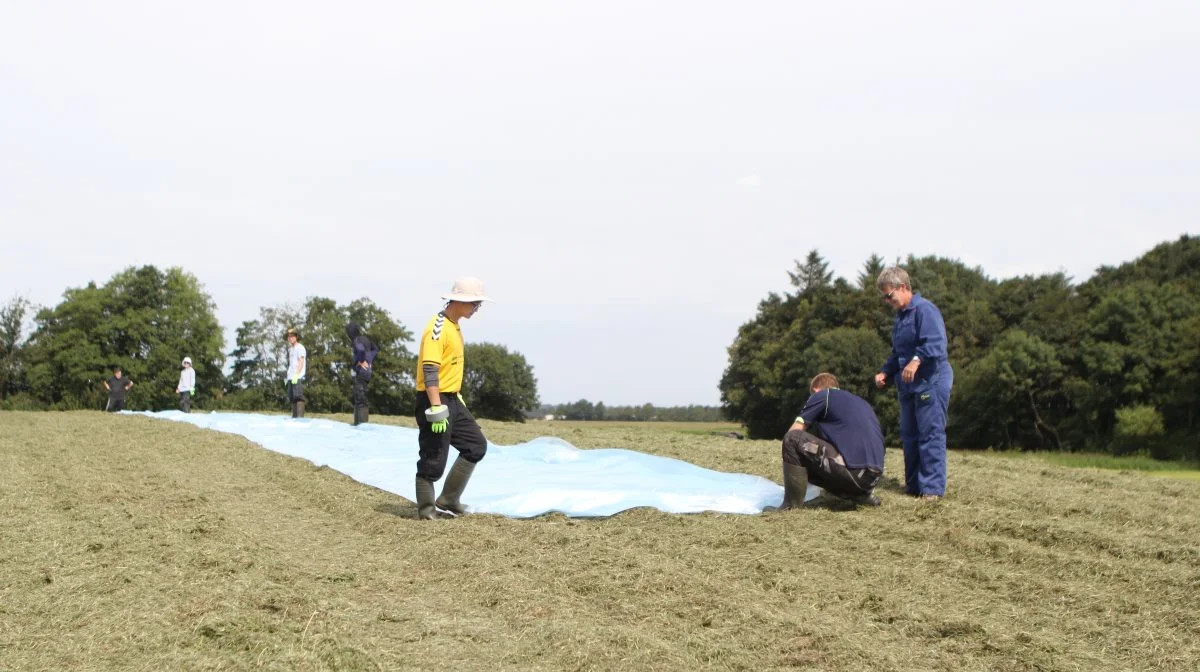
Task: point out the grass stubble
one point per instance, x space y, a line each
128 543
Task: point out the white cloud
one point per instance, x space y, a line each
750 181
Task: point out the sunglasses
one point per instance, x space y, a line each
888 296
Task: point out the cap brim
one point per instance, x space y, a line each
466 298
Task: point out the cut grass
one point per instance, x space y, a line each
132 543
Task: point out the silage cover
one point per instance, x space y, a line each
529 479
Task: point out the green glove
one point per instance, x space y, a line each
295 380
439 418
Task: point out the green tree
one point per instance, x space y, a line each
1139 429
498 384
1181 392
260 359
752 387
871 269
144 320
812 275
1011 398
12 340
1133 335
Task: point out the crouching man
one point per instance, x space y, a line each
836 444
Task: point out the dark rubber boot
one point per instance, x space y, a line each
869 499
298 409
425 509
795 486
456 482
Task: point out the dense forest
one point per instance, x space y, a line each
1041 363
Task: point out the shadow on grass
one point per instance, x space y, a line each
407 510
890 484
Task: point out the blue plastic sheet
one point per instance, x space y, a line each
521 481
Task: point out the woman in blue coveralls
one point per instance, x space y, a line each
925 378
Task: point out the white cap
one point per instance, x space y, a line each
466 289
187 360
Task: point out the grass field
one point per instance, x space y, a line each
1186 470
133 544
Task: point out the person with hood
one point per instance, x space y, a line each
187 385
442 418
923 377
364 358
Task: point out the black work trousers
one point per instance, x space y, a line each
463 433
825 467
358 395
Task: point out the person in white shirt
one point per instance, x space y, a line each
295 373
187 385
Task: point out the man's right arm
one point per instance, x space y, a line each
808 414
432 390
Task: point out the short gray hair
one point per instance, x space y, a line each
893 277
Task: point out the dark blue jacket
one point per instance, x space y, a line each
849 423
918 331
364 350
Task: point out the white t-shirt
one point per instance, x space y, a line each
297 368
187 380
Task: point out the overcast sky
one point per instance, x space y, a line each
629 179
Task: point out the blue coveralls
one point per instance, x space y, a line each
919 331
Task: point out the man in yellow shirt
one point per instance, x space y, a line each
442 418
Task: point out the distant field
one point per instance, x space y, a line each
132 543
1188 470
689 427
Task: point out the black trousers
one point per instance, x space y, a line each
358 395
463 433
821 460
185 402
295 393
115 405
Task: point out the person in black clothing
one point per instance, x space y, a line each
364 357
117 386
843 453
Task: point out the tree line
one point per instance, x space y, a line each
1041 363
146 320
586 410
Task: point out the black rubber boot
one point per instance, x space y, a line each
456 482
869 499
425 509
795 486
298 409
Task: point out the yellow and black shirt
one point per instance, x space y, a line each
441 346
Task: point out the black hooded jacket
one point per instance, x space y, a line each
364 350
